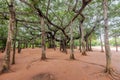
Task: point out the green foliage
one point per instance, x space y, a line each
3 34
112 42
60 13
76 42
95 43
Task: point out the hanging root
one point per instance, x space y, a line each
113 75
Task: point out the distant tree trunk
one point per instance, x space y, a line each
26 45
90 44
87 44
19 46
54 44
80 45
63 45
6 63
71 44
51 43
82 39
43 56
33 46
101 43
116 44
14 45
107 47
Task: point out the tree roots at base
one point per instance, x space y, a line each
113 74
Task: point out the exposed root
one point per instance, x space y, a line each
115 71
114 75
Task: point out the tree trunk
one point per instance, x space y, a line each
33 46
90 44
82 39
87 44
51 43
80 45
71 44
6 63
19 46
101 42
26 45
54 45
14 51
43 56
107 47
14 45
63 45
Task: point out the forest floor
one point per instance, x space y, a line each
58 66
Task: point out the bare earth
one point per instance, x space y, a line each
58 66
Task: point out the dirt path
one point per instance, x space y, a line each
28 65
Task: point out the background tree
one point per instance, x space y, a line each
107 47
6 64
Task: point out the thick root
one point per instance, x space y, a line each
113 74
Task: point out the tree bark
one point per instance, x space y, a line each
6 63
80 45
71 44
26 45
33 45
87 44
107 47
90 44
63 45
19 46
14 45
54 44
101 42
82 39
43 56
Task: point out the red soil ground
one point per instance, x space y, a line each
91 67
